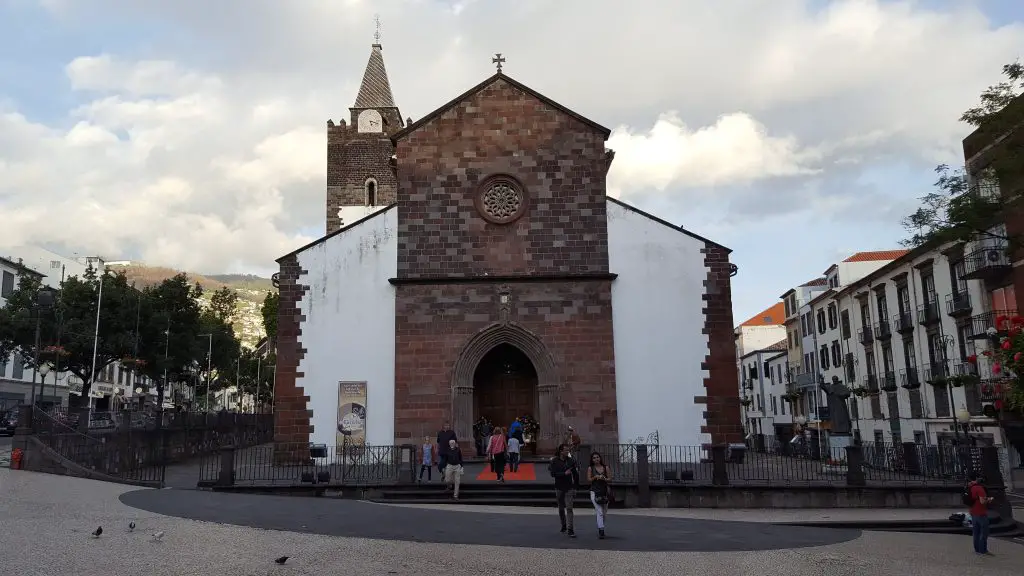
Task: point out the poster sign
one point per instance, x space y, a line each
351 413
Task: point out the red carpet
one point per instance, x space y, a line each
526 472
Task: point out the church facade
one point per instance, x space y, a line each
475 266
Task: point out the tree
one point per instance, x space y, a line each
169 332
224 305
269 312
956 212
72 319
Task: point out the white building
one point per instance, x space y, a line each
916 323
767 416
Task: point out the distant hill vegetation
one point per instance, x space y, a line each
251 290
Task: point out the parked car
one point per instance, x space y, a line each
8 422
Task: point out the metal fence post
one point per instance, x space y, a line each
719 472
226 476
643 476
855 466
991 471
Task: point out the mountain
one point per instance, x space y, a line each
251 290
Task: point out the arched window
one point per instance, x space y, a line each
371 192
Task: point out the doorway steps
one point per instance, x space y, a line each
533 495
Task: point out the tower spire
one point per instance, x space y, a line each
375 91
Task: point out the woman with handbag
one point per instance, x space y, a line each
496 453
598 474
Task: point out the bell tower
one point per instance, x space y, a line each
360 173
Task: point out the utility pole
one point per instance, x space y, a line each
99 306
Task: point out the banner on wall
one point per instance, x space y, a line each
351 413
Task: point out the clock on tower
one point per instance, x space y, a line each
370 121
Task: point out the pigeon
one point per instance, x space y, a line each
157 536
98 532
131 526
281 560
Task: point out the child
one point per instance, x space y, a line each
513 453
428 458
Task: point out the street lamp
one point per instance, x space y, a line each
99 306
43 371
44 301
209 362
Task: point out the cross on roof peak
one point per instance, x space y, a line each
498 60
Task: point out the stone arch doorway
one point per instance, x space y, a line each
508 341
504 386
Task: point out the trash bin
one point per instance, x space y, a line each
736 453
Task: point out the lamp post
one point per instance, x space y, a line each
44 301
43 371
99 306
209 363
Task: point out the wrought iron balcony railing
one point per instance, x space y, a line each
990 264
903 322
865 336
882 330
958 304
909 378
928 313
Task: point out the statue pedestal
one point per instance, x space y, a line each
838 444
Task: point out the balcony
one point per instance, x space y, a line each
903 322
966 369
909 379
981 323
882 330
990 264
935 372
850 367
805 380
928 313
958 304
887 381
865 336
870 382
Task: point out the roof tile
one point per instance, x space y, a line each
876 255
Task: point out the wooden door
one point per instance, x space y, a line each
503 397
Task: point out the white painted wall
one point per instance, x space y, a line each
351 214
752 338
349 331
657 311
48 262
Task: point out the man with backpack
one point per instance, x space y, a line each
977 500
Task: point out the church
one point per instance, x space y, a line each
474 266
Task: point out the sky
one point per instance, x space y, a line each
192 134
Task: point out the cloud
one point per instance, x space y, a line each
210 153
736 149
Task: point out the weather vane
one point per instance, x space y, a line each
376 33
498 60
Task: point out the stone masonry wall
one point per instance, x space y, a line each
501 129
572 319
352 158
292 427
722 403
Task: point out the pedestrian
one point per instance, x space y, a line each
516 430
598 475
980 500
427 464
567 478
453 468
496 452
514 446
485 435
444 438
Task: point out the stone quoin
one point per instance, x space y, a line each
475 266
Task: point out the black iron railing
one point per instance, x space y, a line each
928 313
958 303
883 330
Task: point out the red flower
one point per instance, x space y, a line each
1006 344
1016 357
973 358
996 368
1017 320
998 404
987 353
1001 320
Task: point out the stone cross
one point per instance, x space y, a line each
498 60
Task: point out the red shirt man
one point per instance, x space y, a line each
980 497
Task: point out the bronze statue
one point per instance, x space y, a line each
838 411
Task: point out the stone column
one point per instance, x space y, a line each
462 413
547 408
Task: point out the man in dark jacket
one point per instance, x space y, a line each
566 473
445 436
